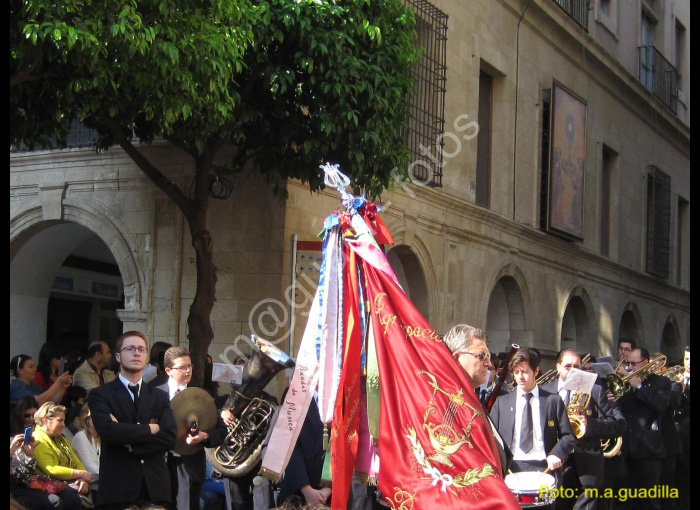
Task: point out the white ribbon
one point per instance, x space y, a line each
438 477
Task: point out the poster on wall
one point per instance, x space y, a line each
567 164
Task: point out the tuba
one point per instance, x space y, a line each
242 447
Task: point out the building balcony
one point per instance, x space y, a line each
659 76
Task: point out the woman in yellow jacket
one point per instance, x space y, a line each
53 453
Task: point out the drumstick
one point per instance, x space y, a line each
540 476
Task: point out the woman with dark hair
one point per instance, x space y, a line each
23 415
24 370
50 357
155 370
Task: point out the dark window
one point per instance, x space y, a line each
426 114
658 221
544 167
605 183
483 147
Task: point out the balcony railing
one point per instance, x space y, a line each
658 76
577 10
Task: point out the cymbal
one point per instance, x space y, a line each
192 405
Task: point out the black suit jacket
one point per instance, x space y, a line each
558 438
643 409
601 424
132 456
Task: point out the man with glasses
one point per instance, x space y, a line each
624 347
136 427
585 468
643 406
468 346
187 472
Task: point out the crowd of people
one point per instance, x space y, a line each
100 431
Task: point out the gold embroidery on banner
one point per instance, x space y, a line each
403 500
387 320
446 441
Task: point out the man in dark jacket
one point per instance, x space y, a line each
585 468
136 428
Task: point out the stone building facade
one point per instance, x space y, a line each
472 246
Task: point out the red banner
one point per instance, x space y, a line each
346 419
435 444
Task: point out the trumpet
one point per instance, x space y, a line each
675 373
619 385
552 374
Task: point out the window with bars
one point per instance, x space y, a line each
426 113
658 222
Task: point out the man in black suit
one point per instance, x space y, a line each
187 472
585 468
532 421
643 406
136 428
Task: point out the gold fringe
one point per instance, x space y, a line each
270 475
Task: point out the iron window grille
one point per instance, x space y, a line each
577 11
658 222
426 111
658 75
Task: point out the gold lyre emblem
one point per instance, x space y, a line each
444 439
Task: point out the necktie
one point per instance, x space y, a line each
526 425
134 389
567 399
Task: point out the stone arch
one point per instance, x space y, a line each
577 319
670 341
418 248
411 276
507 315
631 325
33 267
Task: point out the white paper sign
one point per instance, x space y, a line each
226 373
580 381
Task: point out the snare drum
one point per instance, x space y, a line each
531 488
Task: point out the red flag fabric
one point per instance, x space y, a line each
346 419
436 446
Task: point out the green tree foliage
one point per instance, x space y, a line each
283 85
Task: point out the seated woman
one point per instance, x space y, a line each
24 370
23 415
86 443
30 491
54 455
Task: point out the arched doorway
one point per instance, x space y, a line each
65 287
670 342
505 317
630 325
576 329
411 277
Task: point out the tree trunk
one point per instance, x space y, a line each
200 332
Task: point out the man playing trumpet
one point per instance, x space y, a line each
599 420
643 406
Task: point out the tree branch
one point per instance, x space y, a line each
153 173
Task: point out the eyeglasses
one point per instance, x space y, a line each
131 349
569 366
635 363
185 369
481 356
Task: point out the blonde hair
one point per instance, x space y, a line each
48 411
82 418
